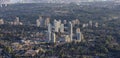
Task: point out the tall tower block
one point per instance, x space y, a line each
71 31
53 37
79 35
49 32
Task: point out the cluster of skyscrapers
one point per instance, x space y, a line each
91 24
57 30
67 36
58 26
40 22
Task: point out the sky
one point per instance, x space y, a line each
14 1
46 1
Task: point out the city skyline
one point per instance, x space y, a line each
59 30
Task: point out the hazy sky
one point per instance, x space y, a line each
58 1
13 0
52 0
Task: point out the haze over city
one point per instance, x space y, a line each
51 1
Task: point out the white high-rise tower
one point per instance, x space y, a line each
57 25
71 31
49 32
53 37
38 23
96 24
1 21
62 28
17 19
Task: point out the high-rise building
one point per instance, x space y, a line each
17 21
73 22
42 21
85 25
79 35
67 39
77 21
49 32
57 25
91 23
96 24
47 21
62 28
65 21
1 21
71 31
53 37
38 23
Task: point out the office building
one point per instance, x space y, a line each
1 21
